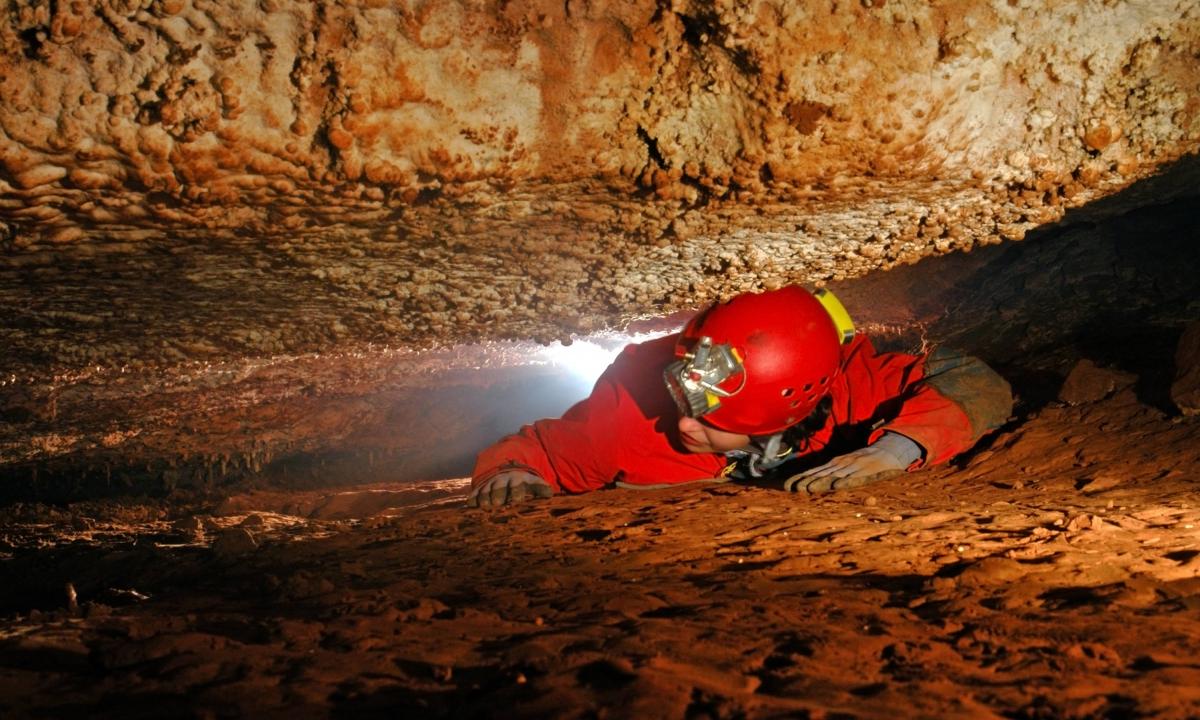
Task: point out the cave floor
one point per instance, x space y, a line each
1055 572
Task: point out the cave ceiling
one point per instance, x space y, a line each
186 180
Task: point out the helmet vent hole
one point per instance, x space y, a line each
824 381
787 392
795 403
807 387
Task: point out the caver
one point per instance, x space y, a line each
774 386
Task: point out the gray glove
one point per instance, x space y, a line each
887 457
508 487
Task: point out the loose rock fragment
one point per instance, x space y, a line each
234 542
1088 382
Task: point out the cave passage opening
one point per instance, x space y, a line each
1114 283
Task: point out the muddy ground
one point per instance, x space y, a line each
1053 572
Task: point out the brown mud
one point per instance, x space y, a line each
1052 572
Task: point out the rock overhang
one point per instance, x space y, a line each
197 180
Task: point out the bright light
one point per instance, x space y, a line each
586 359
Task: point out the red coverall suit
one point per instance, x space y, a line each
626 430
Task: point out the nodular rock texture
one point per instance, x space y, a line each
199 179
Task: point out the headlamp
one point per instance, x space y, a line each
694 381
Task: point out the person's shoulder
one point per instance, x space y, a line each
640 360
860 345
656 350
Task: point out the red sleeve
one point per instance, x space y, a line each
891 390
957 400
627 429
934 422
574 453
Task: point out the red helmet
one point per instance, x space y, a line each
759 363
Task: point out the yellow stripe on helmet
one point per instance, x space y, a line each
837 312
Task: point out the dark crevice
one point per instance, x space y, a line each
321 137
427 195
663 7
179 55
652 148
705 29
33 38
744 61
695 29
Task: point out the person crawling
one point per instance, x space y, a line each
774 387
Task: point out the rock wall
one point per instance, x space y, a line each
198 179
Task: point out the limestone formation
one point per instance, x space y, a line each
199 179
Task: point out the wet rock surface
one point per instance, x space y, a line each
1051 572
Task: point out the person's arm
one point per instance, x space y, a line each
508 487
929 408
956 400
887 457
575 453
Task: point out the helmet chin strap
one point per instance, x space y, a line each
763 456
767 452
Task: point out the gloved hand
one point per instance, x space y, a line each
508 487
887 457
